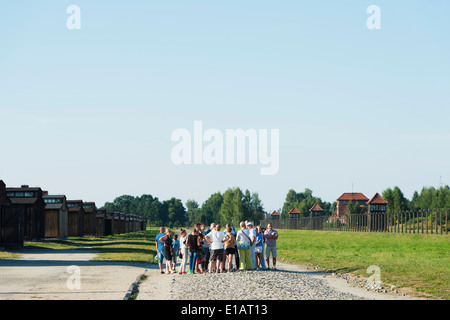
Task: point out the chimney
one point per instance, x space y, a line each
45 193
25 186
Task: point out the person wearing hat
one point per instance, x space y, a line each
252 235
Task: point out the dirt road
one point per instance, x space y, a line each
44 274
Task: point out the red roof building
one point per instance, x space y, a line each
294 213
274 215
377 204
343 201
316 210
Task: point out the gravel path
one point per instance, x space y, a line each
259 285
289 282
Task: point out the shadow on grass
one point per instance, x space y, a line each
340 270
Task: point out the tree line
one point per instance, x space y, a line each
428 198
232 206
304 201
235 205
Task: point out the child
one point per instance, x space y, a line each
184 251
175 246
199 265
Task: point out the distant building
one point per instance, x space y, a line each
377 204
90 213
76 218
316 210
274 216
100 222
377 217
315 213
294 213
56 216
30 206
343 201
7 229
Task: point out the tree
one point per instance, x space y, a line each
431 198
304 201
256 208
176 212
157 213
396 200
290 202
211 208
194 212
232 208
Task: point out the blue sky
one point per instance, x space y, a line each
90 112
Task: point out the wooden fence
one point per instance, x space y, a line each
433 221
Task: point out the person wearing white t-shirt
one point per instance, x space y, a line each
216 239
184 252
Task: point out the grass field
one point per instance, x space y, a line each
130 247
421 262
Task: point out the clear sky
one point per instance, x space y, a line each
89 113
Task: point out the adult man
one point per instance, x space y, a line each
206 249
160 248
271 237
252 235
211 228
216 239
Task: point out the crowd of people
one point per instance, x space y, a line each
214 250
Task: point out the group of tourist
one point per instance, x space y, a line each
213 250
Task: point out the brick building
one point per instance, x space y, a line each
343 201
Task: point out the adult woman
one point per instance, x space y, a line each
229 247
243 240
259 247
175 246
167 240
193 242
184 252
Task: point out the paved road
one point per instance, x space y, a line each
43 274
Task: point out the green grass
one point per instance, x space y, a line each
5 255
420 262
137 247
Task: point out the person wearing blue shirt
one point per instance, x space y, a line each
160 247
259 247
175 246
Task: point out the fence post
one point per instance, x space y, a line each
446 221
401 220
436 222
417 214
431 221
408 225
